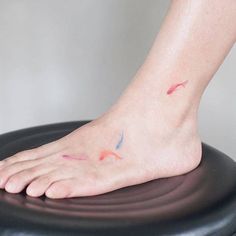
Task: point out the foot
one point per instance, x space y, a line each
139 139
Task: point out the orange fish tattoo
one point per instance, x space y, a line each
107 153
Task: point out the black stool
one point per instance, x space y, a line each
202 202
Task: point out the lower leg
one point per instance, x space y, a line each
193 41
151 132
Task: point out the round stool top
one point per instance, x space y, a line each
201 202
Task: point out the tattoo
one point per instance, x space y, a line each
119 144
175 86
107 153
73 157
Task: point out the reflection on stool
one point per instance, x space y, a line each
201 202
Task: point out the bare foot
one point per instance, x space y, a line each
151 132
137 140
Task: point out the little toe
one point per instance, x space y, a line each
17 182
61 189
75 187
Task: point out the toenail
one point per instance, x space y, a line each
10 187
30 192
49 193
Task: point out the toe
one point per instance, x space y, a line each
38 186
61 189
10 170
20 156
75 187
17 182
44 150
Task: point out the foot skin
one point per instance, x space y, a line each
119 149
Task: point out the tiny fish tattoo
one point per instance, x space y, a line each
175 86
119 144
107 153
73 157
